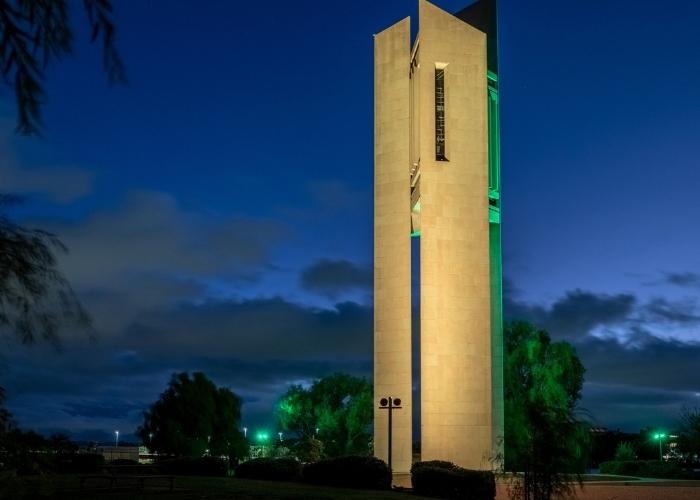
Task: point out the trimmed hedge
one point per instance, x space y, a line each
270 469
647 468
202 466
361 472
446 480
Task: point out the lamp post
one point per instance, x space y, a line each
659 436
245 432
280 435
390 404
116 438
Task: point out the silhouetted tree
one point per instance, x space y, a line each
543 438
339 406
689 433
35 298
35 32
193 416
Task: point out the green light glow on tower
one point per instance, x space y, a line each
494 147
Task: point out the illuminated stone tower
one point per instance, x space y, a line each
437 178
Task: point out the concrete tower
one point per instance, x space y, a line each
437 177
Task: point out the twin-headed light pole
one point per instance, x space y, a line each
390 404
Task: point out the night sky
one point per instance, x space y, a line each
218 209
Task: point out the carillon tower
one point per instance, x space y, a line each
437 178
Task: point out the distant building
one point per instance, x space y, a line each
111 453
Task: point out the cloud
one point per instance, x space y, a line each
644 380
151 234
60 183
684 279
260 328
332 277
149 252
575 314
661 309
620 406
642 360
255 347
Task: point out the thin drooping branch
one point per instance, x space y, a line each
34 32
35 298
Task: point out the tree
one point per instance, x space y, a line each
625 452
35 298
35 32
689 433
193 418
543 438
339 406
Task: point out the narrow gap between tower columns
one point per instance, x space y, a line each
415 343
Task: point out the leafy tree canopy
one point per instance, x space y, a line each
543 382
194 418
339 406
35 32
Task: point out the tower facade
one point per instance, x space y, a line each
437 178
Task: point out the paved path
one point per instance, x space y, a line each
640 491
643 489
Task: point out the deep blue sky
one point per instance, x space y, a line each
218 208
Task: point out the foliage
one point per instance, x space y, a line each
29 453
605 443
647 468
689 432
270 469
308 450
32 34
194 466
339 406
543 438
441 479
349 472
35 298
625 452
193 418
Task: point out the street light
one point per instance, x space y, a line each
659 436
245 432
116 438
390 404
280 435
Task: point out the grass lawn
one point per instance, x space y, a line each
188 488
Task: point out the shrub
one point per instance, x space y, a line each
646 468
625 452
447 480
201 466
270 469
79 463
349 472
